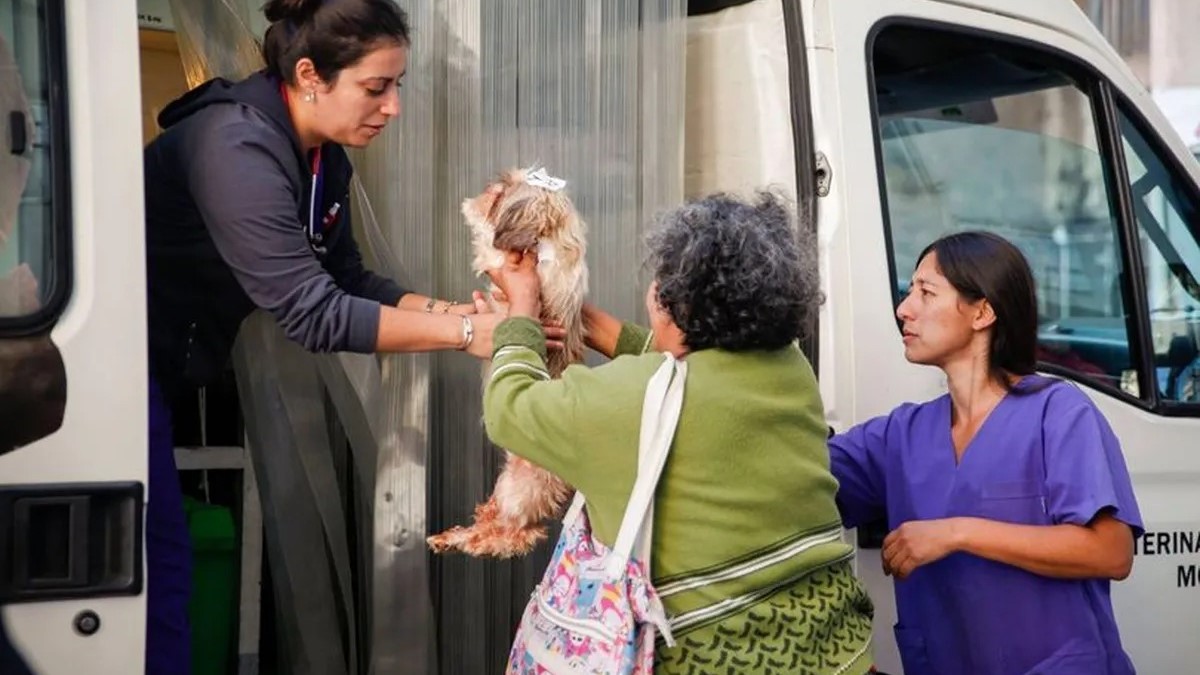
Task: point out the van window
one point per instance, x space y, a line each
976 134
1168 222
34 205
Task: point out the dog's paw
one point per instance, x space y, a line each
449 540
500 542
506 542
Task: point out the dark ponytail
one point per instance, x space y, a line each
333 33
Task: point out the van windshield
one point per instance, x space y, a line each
975 134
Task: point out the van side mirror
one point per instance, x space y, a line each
33 390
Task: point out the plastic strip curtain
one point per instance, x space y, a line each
593 90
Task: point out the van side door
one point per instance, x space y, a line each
72 337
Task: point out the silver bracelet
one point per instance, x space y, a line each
468 330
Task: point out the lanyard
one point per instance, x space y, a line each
315 230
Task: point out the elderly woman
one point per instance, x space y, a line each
747 552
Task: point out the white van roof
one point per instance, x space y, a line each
1063 16
1060 15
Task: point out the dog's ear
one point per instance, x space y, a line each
565 229
481 206
518 224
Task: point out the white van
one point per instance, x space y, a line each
909 118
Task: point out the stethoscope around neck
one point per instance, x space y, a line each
314 230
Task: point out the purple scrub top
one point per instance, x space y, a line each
1044 456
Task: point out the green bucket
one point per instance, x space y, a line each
212 609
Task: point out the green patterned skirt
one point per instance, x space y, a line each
817 625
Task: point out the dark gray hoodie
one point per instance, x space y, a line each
228 228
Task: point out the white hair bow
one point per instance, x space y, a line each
539 178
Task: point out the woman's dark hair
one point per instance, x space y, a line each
982 265
736 274
333 33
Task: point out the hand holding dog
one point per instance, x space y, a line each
518 279
520 292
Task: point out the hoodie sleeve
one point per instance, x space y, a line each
345 264
236 169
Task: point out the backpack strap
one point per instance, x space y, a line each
660 415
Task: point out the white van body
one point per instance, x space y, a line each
866 258
101 330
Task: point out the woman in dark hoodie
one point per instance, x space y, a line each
247 205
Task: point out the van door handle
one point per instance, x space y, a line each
80 540
17 136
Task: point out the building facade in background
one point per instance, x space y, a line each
1160 40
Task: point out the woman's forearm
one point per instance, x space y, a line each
403 330
601 330
415 302
1102 549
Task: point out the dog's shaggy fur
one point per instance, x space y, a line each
513 215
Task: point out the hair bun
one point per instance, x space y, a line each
290 10
333 35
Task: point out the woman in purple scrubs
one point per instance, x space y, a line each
1008 502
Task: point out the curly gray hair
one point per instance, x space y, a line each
736 274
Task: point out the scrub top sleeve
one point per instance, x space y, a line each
1085 470
857 459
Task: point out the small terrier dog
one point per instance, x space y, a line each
522 210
